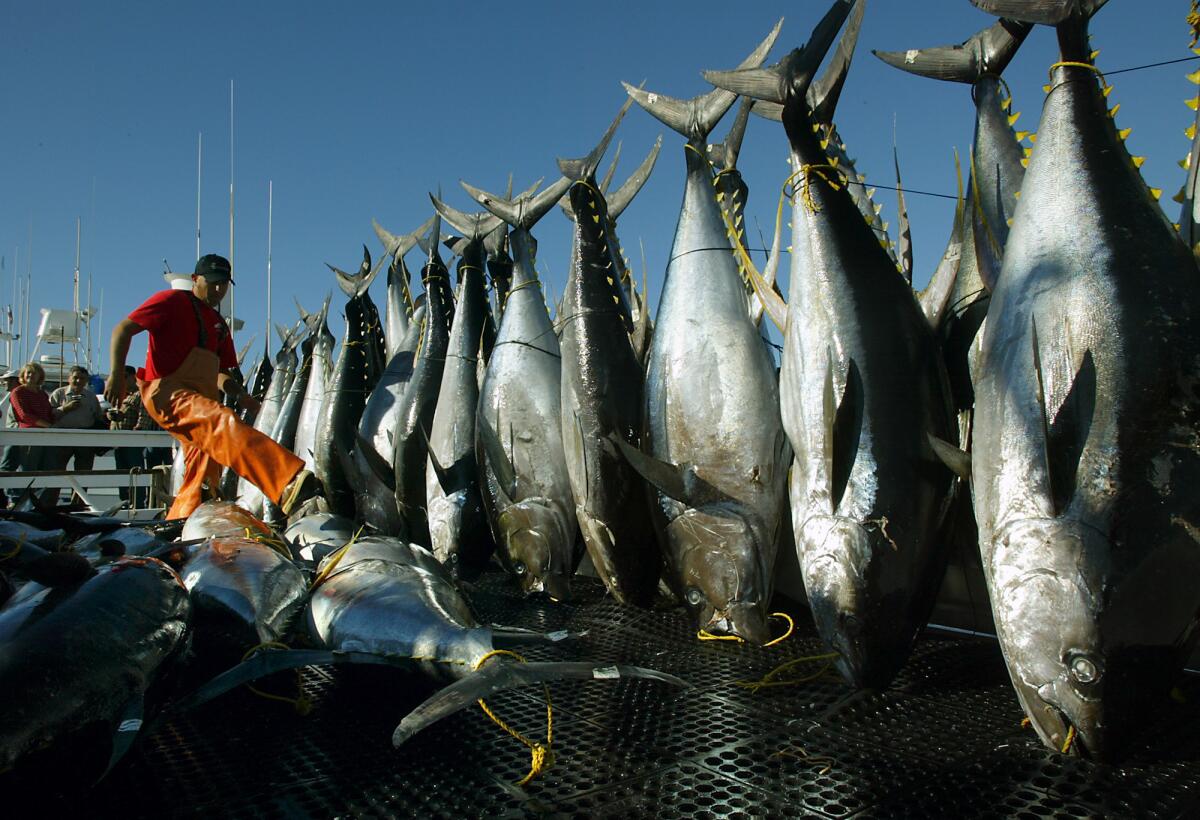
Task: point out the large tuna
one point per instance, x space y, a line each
1086 452
862 389
718 453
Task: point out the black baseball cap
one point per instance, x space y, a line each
215 268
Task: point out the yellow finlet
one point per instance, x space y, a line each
1046 88
1180 197
1138 162
1190 131
1016 194
1112 112
1012 119
1186 162
1156 193
1192 103
1094 55
1124 133
1106 90
1194 76
1033 138
1022 135
1025 162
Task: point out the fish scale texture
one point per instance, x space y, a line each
944 740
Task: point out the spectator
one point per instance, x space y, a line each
78 409
10 461
31 408
130 415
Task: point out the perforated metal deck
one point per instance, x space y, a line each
945 740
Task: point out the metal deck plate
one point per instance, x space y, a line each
945 740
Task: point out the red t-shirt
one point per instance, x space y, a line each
30 406
170 319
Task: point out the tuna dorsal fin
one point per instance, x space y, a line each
959 461
724 155
620 200
612 170
937 293
792 75
525 211
1046 12
986 52
844 429
241 356
472 226
497 457
825 91
696 118
906 252
585 167
429 242
666 478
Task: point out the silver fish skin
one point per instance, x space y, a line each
74 656
249 496
244 593
457 523
315 536
1086 452
868 495
320 373
395 599
712 408
222 519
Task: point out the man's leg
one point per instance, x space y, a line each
215 432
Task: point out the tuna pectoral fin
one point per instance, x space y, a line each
129 725
497 458
270 661
959 461
987 52
667 478
1047 12
499 677
1062 437
843 428
506 637
383 471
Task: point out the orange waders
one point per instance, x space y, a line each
185 405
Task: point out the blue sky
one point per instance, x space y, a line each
357 110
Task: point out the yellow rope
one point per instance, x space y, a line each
20 542
541 755
705 635
335 560
1066 747
799 753
791 627
301 703
1074 64
805 174
269 540
772 679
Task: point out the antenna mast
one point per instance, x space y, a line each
270 213
199 160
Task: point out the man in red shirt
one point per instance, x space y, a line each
190 357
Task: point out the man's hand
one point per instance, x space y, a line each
71 405
114 388
248 402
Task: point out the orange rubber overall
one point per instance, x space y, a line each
185 405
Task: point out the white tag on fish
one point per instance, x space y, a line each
606 673
910 56
134 725
560 635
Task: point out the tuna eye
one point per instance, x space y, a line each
694 597
519 567
1083 670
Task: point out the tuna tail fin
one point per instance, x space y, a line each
399 246
825 91
620 200
241 356
585 167
525 211
499 677
695 118
354 286
1046 12
986 52
793 75
473 226
612 170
